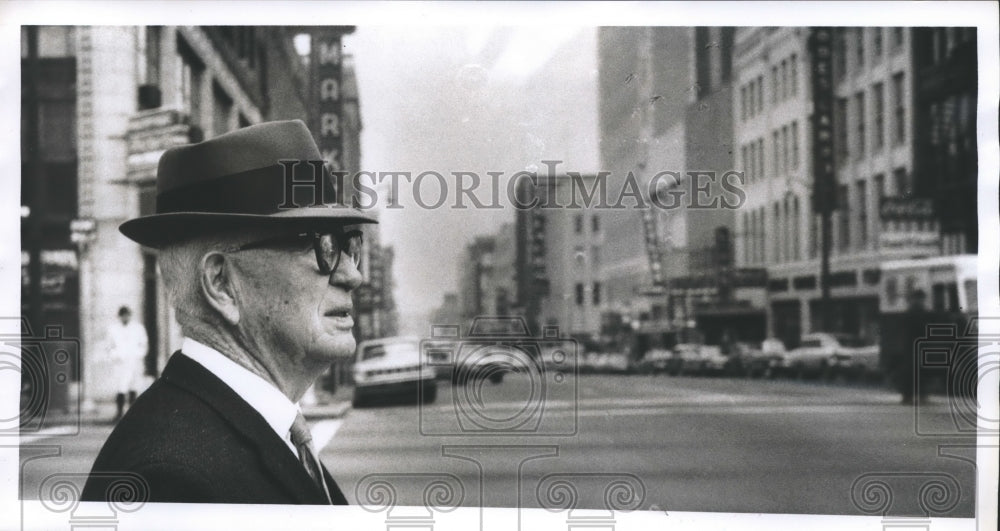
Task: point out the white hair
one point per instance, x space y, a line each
180 265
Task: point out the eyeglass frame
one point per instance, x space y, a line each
341 237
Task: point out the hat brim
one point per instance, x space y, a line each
160 230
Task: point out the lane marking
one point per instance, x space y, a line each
323 432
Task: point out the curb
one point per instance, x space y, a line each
326 411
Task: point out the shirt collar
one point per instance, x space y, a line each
278 411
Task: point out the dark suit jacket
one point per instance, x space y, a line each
193 439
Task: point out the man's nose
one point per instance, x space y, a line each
347 276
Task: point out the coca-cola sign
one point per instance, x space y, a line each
906 209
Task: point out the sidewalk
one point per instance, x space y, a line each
326 406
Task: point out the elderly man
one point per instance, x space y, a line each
261 284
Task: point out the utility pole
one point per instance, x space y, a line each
35 181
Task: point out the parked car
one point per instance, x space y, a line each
698 359
392 367
821 354
658 361
812 358
756 360
855 360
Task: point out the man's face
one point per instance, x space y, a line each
288 308
124 317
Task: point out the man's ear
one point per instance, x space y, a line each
217 286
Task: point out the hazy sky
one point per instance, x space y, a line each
466 99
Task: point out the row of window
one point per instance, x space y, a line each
783 238
853 116
581 294
595 224
191 74
786 152
752 98
784 85
771 234
863 46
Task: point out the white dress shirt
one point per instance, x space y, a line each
272 404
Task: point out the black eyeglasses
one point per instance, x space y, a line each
328 247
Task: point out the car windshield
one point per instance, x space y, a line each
379 351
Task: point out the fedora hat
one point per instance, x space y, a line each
242 179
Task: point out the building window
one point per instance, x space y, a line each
840 125
596 295
878 95
149 55
795 144
879 184
897 39
794 74
899 113
222 109
902 182
745 230
191 73
760 93
744 159
862 214
760 157
796 219
595 224
775 143
778 229
784 79
843 209
786 151
877 43
839 54
787 232
743 103
859 49
774 83
56 41
578 224
859 107
580 295
813 231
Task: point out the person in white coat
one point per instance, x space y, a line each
127 345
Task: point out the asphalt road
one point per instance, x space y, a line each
659 443
653 443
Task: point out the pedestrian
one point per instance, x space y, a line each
261 283
128 345
914 327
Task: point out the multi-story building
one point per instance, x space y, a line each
873 116
559 257
476 272
946 164
645 86
101 105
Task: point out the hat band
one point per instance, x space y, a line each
260 191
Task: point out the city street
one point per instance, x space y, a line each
696 444
680 444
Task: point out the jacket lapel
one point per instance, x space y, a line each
274 455
336 495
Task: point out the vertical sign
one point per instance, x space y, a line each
652 246
824 184
325 63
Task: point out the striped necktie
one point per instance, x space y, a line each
302 439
